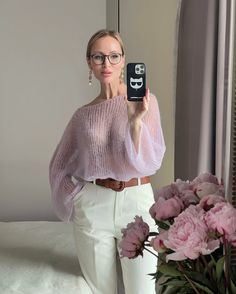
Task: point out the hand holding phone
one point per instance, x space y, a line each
136 81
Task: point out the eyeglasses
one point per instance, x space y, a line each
99 58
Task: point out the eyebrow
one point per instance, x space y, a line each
99 52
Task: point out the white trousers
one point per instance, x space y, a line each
99 215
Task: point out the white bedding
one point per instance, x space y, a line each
39 258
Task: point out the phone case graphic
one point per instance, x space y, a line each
136 81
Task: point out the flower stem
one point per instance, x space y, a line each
157 256
188 279
207 267
192 285
226 267
151 252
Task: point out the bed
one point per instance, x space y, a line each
39 258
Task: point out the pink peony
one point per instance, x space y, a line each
231 239
205 177
165 209
206 188
186 192
166 192
189 197
158 242
207 184
208 201
222 218
134 236
183 185
188 236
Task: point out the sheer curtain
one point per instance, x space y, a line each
200 87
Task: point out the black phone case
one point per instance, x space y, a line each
136 81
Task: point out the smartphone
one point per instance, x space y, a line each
136 81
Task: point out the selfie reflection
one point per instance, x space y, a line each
115 99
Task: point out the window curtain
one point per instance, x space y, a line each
201 75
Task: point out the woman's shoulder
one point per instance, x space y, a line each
83 107
97 102
93 102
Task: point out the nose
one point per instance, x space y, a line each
106 61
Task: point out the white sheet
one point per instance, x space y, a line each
39 258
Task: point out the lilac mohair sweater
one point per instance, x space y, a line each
97 144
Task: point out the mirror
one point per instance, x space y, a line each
46 78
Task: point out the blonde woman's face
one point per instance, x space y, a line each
106 60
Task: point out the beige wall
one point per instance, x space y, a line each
148 30
43 79
112 16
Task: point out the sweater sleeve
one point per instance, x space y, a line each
61 168
148 158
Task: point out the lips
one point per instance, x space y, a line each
106 73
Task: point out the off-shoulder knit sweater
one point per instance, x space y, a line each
97 143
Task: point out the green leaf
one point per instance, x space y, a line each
179 290
220 268
233 287
213 259
160 287
168 288
176 283
160 278
162 225
151 234
172 290
199 277
221 288
169 270
211 264
152 275
186 290
204 288
157 275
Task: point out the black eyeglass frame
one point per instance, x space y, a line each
104 56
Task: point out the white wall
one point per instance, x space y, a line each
148 29
43 79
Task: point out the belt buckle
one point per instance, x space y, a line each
120 187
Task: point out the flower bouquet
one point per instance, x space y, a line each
196 227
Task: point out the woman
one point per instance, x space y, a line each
99 173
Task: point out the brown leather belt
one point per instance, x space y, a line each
120 185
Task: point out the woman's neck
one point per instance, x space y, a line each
110 91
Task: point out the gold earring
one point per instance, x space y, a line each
90 77
122 76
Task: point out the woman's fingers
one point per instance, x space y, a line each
147 93
137 110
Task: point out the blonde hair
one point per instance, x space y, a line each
100 34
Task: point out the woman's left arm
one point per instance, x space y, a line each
136 111
144 142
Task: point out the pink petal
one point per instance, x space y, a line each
175 256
